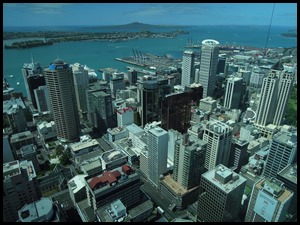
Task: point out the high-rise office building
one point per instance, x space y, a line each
33 78
14 110
101 110
125 116
268 100
283 151
20 186
188 69
42 99
269 201
60 83
149 95
117 82
288 175
132 76
220 195
274 95
286 80
217 135
157 154
175 108
208 66
81 82
233 93
189 158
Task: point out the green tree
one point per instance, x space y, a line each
59 150
64 159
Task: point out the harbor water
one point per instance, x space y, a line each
102 54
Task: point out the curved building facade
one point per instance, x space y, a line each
60 83
208 66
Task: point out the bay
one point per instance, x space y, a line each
102 54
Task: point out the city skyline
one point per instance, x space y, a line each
66 14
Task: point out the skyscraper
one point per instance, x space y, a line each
217 135
233 93
268 100
188 69
288 175
175 110
220 195
286 80
81 82
269 201
189 158
33 78
20 186
274 95
42 98
283 150
60 83
157 153
208 66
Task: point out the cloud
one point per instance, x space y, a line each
40 8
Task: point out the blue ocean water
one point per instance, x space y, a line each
102 54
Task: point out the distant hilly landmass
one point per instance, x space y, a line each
141 26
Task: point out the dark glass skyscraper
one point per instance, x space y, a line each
33 78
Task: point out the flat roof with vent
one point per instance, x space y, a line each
224 178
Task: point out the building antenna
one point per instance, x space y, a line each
270 27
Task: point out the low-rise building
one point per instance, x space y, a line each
84 147
121 183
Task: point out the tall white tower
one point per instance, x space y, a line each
208 66
81 82
218 136
274 96
188 71
267 103
158 153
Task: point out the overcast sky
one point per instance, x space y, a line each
55 14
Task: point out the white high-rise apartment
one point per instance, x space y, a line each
284 91
274 95
157 153
60 83
208 66
233 92
188 70
81 82
218 136
283 150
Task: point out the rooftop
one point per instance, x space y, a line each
33 211
21 136
77 182
286 138
10 106
290 172
134 129
112 155
83 145
231 180
273 187
175 186
109 178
